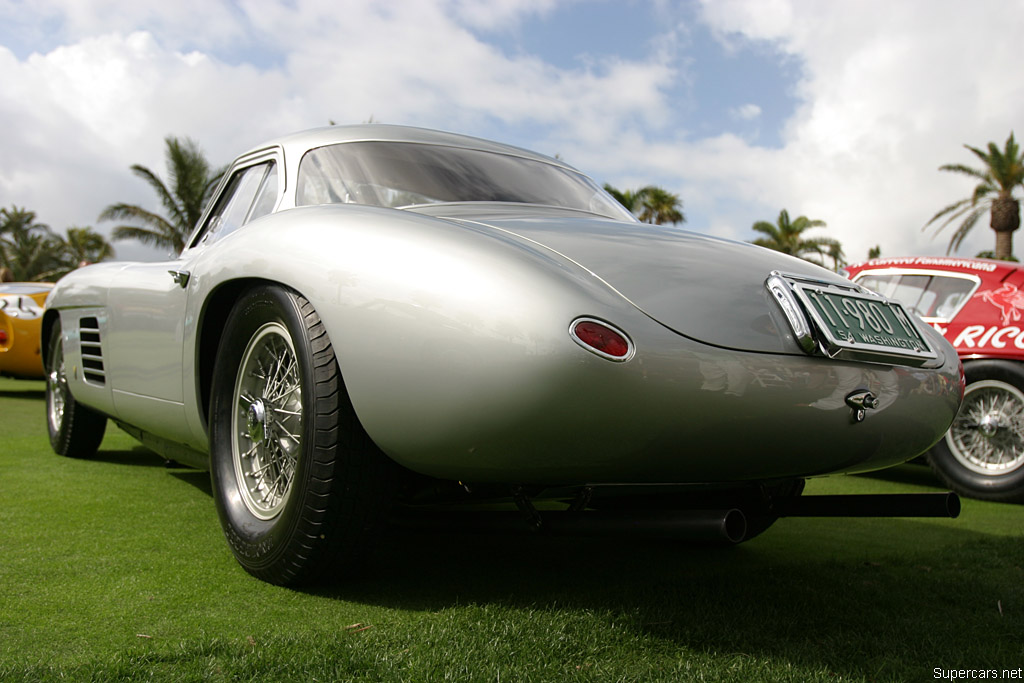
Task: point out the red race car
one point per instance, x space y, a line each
978 305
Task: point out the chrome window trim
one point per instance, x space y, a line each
273 154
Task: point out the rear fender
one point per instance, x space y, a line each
407 300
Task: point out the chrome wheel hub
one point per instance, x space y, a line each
267 421
988 426
56 389
987 436
256 421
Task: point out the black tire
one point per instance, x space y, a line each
319 486
75 430
982 454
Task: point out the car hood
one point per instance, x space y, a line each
709 289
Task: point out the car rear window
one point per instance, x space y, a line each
935 297
396 174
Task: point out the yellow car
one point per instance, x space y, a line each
21 314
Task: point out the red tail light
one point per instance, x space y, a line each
601 338
3 337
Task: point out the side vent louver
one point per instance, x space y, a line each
92 351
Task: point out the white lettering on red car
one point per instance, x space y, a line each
978 336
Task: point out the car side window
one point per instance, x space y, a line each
267 195
250 193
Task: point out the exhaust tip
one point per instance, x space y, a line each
734 526
952 505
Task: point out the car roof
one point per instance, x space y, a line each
298 143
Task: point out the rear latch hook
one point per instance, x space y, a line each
860 401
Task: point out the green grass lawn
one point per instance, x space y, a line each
115 569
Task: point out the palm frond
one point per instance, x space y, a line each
787 236
151 237
183 197
966 170
131 212
965 228
961 205
765 228
167 199
980 192
1001 173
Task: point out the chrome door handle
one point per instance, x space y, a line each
180 277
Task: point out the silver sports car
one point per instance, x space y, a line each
379 323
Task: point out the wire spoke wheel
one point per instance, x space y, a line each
982 454
299 486
267 421
56 388
74 430
987 436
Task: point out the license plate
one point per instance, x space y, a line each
864 324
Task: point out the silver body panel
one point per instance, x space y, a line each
679 278
450 323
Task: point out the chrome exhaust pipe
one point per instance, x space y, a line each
728 526
694 525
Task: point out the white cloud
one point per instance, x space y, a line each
887 93
890 91
418 62
83 113
745 112
128 73
498 15
182 24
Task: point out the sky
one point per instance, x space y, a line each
840 110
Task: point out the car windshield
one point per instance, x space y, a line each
934 297
399 174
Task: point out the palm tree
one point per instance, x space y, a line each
30 256
16 219
191 183
85 245
628 198
835 252
651 204
788 237
32 252
26 247
78 247
660 206
988 253
1001 173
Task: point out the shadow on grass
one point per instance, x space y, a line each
913 473
954 599
917 474
865 599
140 456
199 479
27 394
